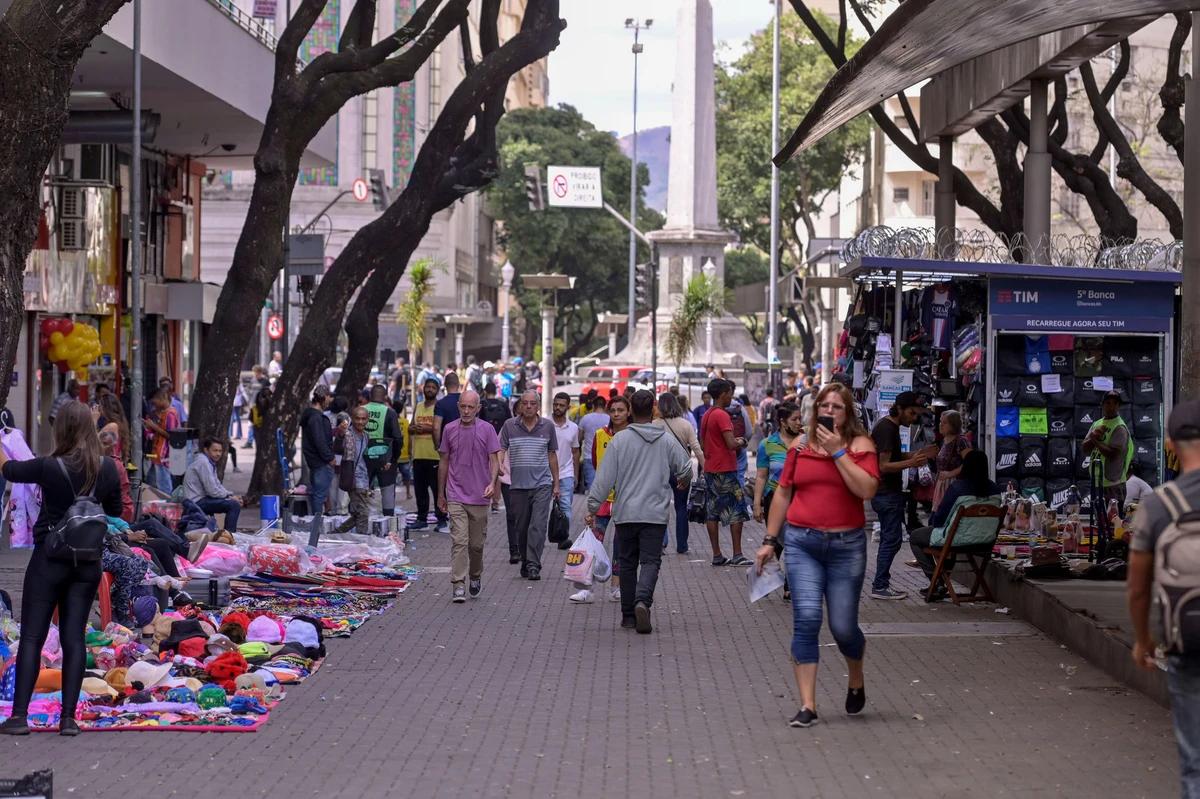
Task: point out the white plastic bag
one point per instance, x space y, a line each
587 550
759 585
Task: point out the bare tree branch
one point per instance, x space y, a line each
287 49
905 106
356 59
360 27
843 24
1171 95
1129 165
468 52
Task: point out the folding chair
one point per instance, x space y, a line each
982 550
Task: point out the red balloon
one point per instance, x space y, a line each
47 325
66 326
44 341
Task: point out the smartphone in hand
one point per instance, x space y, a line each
826 422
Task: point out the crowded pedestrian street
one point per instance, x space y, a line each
521 694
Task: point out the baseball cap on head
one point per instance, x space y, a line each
1184 424
1112 394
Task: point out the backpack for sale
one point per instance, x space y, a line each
78 536
1177 573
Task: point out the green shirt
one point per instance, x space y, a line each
1116 434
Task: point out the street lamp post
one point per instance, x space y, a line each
548 285
507 272
636 25
710 272
772 282
135 255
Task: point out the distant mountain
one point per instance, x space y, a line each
654 150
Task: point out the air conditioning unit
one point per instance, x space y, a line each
72 202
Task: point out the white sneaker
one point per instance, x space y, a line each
615 594
582 597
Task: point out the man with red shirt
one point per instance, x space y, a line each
725 499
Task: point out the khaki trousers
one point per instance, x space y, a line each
468 529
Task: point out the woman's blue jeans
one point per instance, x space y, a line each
681 518
829 568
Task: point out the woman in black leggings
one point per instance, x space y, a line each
51 584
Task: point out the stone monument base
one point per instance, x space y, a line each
731 344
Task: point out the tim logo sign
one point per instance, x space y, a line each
1005 296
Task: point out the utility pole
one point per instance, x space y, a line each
773 280
636 25
136 391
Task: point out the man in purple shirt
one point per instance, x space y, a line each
470 452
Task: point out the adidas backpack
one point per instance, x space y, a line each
1177 574
78 537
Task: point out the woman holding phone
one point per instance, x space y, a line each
817 513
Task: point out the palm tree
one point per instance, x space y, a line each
412 313
701 298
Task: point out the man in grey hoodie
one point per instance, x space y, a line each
640 464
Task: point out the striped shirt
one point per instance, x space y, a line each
528 451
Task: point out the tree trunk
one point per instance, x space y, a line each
40 46
443 172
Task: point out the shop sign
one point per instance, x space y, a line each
891 383
1101 307
264 9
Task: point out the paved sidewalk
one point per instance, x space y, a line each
519 694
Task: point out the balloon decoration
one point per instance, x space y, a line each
69 345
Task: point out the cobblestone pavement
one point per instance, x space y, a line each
519 694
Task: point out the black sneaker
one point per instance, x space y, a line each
740 560
68 727
19 725
564 545
514 556
628 623
535 573
856 700
805 718
460 595
475 588
524 570
641 618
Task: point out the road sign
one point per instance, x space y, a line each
574 186
360 190
275 327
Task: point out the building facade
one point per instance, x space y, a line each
384 130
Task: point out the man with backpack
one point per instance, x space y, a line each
643 463
1162 527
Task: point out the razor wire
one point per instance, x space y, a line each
985 246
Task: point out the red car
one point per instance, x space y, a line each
605 378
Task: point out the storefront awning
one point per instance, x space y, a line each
915 43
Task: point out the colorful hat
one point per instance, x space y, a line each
225 668
211 696
48 681
117 678
265 629
98 687
219 643
147 673
182 694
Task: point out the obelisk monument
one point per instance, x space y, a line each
693 236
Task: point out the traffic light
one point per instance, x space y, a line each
533 187
643 285
380 197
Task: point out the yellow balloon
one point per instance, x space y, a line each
56 337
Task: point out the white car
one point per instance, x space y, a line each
692 381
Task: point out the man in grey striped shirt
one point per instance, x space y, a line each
531 446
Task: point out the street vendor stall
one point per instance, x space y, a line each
1024 352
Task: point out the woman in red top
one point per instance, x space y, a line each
818 509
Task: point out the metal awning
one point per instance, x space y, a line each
915 43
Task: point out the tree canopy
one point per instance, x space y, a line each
743 96
588 244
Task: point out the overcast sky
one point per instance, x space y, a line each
592 69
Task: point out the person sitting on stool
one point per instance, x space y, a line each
202 486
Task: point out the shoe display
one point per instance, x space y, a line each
582 597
